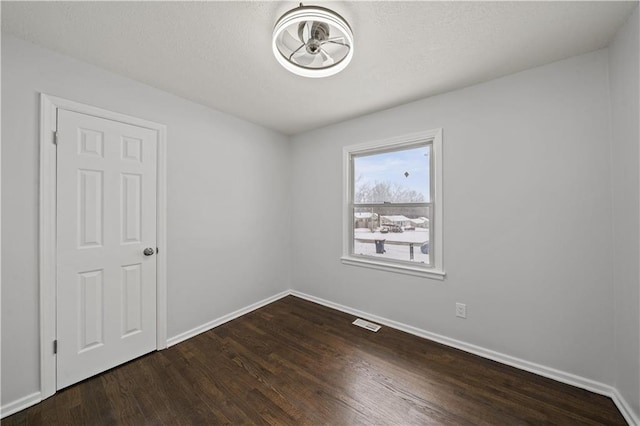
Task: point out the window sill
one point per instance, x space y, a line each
399 269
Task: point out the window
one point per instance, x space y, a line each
393 205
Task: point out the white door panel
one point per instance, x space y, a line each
106 286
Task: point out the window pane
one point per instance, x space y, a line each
394 177
396 233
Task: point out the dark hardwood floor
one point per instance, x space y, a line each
296 362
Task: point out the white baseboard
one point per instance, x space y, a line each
20 404
34 398
561 376
551 373
225 318
624 407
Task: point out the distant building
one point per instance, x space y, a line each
366 220
420 222
397 220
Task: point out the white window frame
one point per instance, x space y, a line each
436 269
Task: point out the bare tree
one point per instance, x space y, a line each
388 191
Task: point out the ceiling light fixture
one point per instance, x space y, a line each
312 41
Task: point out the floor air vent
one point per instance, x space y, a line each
366 324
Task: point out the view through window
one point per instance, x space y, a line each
392 204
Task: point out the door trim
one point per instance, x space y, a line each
48 125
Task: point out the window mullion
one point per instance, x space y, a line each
378 205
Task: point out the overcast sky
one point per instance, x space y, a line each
391 167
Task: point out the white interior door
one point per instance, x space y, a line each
106 218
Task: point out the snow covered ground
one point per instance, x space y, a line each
399 251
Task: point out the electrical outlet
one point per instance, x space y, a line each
461 310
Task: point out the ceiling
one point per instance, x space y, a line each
219 53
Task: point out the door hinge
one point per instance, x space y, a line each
55 138
55 346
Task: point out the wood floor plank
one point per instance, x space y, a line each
294 362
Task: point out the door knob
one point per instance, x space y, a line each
148 251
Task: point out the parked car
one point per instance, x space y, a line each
394 228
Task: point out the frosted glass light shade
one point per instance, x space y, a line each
312 41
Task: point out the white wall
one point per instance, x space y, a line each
625 91
527 207
219 168
529 169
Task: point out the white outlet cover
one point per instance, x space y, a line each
461 310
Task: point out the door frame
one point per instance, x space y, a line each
48 185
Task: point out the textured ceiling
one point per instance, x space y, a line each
219 53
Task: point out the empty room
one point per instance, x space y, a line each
349 212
